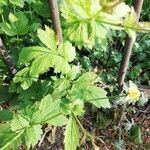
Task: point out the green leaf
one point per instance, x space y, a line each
18 24
29 53
42 8
61 87
136 134
97 96
48 38
84 22
9 139
91 94
5 115
22 123
72 135
73 73
60 120
19 122
52 56
17 2
86 90
33 135
49 111
88 78
3 3
36 92
24 78
22 129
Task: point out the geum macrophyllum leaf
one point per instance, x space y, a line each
31 134
61 87
22 127
72 135
52 55
86 90
85 22
25 78
26 124
73 73
49 111
9 139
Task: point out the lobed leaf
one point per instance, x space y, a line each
52 56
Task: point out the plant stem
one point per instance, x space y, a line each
128 46
101 98
87 134
55 19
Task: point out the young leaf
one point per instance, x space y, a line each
72 135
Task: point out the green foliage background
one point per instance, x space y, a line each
55 82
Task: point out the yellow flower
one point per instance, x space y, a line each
133 92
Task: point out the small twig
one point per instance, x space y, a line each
55 19
7 58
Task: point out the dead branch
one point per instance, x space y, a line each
7 59
55 19
127 51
